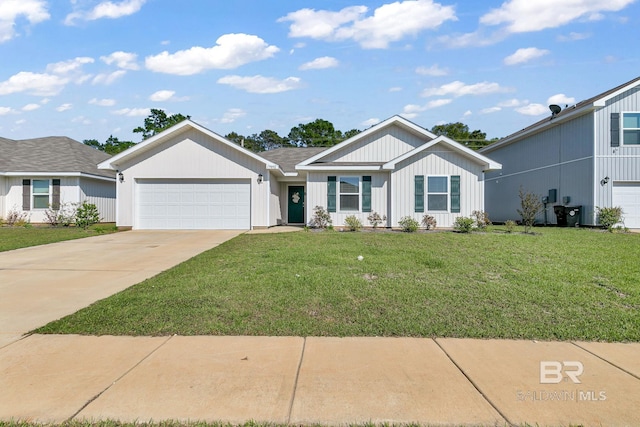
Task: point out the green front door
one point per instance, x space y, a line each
296 205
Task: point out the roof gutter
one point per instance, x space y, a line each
62 174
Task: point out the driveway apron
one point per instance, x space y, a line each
44 283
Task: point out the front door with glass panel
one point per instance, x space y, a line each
296 205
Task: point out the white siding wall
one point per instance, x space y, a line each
102 194
437 160
317 195
381 146
3 196
620 164
275 207
194 155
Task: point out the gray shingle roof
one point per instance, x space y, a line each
288 157
51 154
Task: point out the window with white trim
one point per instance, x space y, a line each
631 128
437 193
349 192
40 193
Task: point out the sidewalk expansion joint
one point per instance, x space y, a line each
118 379
473 383
605 360
295 384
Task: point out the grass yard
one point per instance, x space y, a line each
560 284
21 237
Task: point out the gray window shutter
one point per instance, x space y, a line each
55 196
26 194
419 193
615 129
366 194
455 194
331 194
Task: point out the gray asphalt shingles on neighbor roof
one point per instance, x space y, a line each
287 158
51 154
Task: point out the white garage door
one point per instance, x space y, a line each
180 204
627 195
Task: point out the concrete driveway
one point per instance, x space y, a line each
44 283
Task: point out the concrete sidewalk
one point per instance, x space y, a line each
318 380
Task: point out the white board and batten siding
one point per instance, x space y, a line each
436 161
621 164
193 157
317 195
388 143
73 190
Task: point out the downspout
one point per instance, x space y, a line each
594 170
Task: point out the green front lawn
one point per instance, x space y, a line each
560 284
21 237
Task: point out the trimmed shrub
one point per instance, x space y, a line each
408 224
86 215
375 219
608 217
353 223
510 225
481 218
463 224
16 218
429 222
321 218
530 205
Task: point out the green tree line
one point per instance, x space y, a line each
318 133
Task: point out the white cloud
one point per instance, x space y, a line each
320 63
63 107
260 84
34 84
133 112
490 110
458 88
467 113
533 110
6 110
81 119
30 107
389 23
232 114
125 60
511 103
521 16
370 122
475 39
106 9
34 11
411 110
108 78
21 121
231 51
524 55
44 101
561 99
162 95
573 36
395 89
70 66
433 71
103 102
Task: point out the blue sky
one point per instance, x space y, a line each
92 68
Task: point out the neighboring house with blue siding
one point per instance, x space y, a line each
588 154
39 173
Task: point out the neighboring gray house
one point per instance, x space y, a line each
589 153
188 177
42 172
